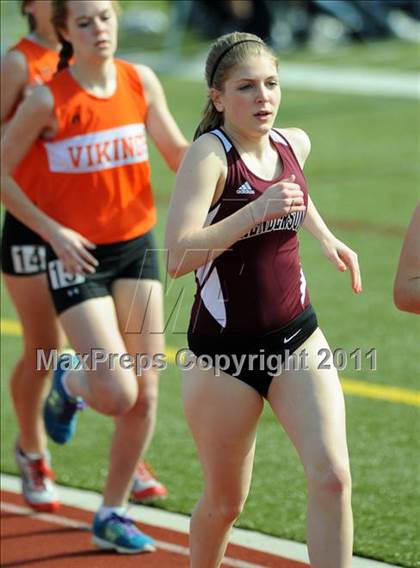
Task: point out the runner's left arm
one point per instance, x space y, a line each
335 250
160 123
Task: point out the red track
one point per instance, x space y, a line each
51 542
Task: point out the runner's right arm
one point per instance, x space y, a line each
31 118
407 280
13 79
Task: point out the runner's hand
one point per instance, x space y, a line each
343 257
72 249
279 200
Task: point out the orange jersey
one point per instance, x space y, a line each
41 61
99 172
41 64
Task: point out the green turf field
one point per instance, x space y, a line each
364 177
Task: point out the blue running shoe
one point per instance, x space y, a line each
60 410
120 534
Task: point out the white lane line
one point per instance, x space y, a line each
351 80
90 501
309 77
47 517
66 522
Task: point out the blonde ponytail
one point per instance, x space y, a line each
212 119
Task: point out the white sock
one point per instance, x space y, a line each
33 455
105 512
66 388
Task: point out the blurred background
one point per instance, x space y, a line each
175 28
350 77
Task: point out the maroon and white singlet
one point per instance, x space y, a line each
258 285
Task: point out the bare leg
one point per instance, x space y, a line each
222 413
93 324
41 330
101 323
141 302
310 406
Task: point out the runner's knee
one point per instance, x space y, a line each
331 479
146 403
226 510
114 397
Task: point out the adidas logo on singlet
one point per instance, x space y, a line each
245 188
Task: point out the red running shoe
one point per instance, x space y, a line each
146 487
37 478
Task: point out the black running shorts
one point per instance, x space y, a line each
261 356
23 252
133 259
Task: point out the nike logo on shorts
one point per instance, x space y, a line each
287 339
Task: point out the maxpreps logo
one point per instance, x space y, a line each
97 151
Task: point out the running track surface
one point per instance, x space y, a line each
63 540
